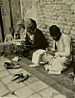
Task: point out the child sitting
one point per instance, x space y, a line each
9 36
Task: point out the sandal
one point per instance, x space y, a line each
17 76
9 65
23 78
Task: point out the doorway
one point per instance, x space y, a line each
1 27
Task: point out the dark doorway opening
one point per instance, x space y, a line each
1 27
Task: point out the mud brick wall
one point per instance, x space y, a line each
25 6
28 9
60 13
49 12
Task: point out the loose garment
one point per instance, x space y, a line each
62 57
33 43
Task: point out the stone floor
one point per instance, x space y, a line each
34 87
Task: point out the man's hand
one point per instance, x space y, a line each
57 54
50 52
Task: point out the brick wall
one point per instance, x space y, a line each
59 12
25 6
28 9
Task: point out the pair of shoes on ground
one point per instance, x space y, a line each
20 77
10 65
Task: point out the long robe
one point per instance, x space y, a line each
39 42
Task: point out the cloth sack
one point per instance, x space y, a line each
56 65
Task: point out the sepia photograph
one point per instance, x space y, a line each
37 48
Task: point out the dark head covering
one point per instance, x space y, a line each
55 32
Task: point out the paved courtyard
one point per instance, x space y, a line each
33 87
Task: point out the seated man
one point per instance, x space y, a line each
34 39
60 55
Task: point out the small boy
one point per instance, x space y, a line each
19 29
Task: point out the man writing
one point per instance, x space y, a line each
60 56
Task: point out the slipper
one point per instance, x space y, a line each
7 64
11 65
17 76
21 79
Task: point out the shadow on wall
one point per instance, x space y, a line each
28 9
31 13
